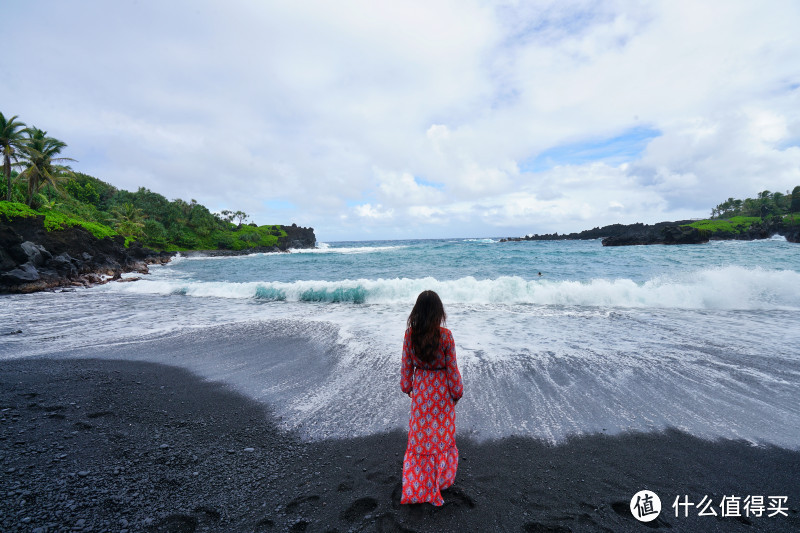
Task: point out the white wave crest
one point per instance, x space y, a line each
177 258
202 257
324 248
723 288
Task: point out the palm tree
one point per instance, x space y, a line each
128 219
11 139
41 164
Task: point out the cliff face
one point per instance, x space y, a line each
297 237
654 235
33 259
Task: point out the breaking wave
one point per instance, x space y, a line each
325 248
722 288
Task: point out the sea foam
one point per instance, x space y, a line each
720 288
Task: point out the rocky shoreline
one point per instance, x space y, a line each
34 259
676 232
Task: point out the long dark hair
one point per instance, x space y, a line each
426 317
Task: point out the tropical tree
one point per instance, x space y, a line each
11 140
226 215
230 216
46 203
129 219
794 207
41 162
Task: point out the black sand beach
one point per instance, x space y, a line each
96 445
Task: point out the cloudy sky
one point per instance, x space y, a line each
418 119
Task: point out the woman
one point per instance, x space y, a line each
430 376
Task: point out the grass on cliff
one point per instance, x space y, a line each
236 238
733 225
54 220
250 236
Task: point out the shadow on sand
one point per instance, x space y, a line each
116 445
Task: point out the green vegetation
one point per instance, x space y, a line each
41 163
54 220
794 206
11 140
766 204
733 225
735 216
43 186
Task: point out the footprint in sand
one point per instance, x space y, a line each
303 501
382 478
298 527
98 414
359 508
387 522
176 523
265 524
536 527
208 512
456 497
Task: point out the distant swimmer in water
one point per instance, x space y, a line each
540 274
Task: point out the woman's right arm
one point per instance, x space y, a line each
407 367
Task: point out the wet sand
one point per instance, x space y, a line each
98 445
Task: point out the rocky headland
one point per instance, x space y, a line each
678 232
296 238
33 258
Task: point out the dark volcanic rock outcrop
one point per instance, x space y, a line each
670 233
655 235
612 230
297 237
33 259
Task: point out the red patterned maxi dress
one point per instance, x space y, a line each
431 456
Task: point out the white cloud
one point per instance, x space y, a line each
420 114
403 188
376 212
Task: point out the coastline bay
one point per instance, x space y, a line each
613 354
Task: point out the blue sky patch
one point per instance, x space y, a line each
426 183
614 151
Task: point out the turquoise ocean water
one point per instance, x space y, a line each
704 338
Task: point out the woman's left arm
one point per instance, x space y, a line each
454 383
